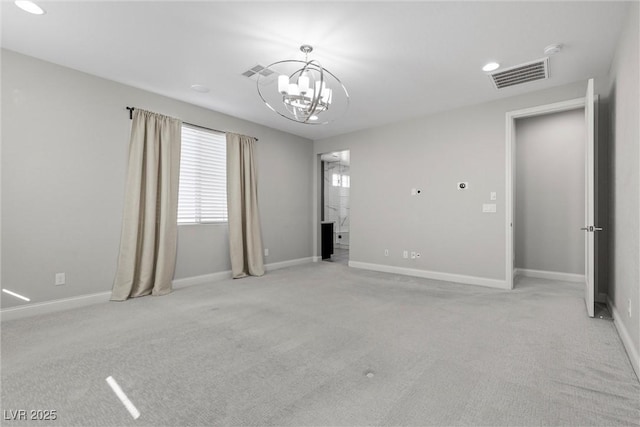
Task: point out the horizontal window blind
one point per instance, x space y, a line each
202 197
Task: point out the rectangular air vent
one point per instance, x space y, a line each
523 73
266 74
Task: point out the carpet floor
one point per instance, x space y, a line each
324 344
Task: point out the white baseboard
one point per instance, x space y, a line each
289 263
447 277
46 307
551 275
53 306
222 275
316 258
199 280
632 352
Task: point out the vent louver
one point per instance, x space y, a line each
523 73
253 72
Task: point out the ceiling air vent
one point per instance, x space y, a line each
266 74
523 73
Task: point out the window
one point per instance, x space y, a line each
338 180
202 197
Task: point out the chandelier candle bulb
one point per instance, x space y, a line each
283 84
326 96
303 83
293 89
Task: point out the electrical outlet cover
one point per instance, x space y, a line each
60 279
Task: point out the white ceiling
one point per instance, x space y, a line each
397 59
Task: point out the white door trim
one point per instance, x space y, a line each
510 151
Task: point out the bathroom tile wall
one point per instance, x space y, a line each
336 200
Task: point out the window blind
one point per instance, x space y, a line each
202 196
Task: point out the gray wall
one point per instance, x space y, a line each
549 202
433 153
65 137
624 99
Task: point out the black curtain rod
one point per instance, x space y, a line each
186 123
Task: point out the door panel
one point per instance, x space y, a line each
589 229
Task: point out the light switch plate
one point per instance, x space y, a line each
489 208
493 195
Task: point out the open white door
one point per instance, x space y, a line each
589 228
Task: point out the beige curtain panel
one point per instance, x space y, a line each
245 236
149 226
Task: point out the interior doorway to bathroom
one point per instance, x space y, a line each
335 217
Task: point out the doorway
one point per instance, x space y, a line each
587 104
335 212
549 180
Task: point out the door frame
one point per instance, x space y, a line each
510 159
318 205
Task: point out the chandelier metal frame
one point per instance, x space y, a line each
307 105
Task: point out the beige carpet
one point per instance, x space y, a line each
323 344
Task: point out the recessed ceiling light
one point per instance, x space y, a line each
29 6
491 66
200 88
552 49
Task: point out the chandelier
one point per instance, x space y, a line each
306 92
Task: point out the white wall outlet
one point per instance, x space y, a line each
266 251
418 255
61 279
414 191
386 252
629 306
413 255
405 254
462 185
493 195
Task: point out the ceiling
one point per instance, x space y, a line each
397 59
